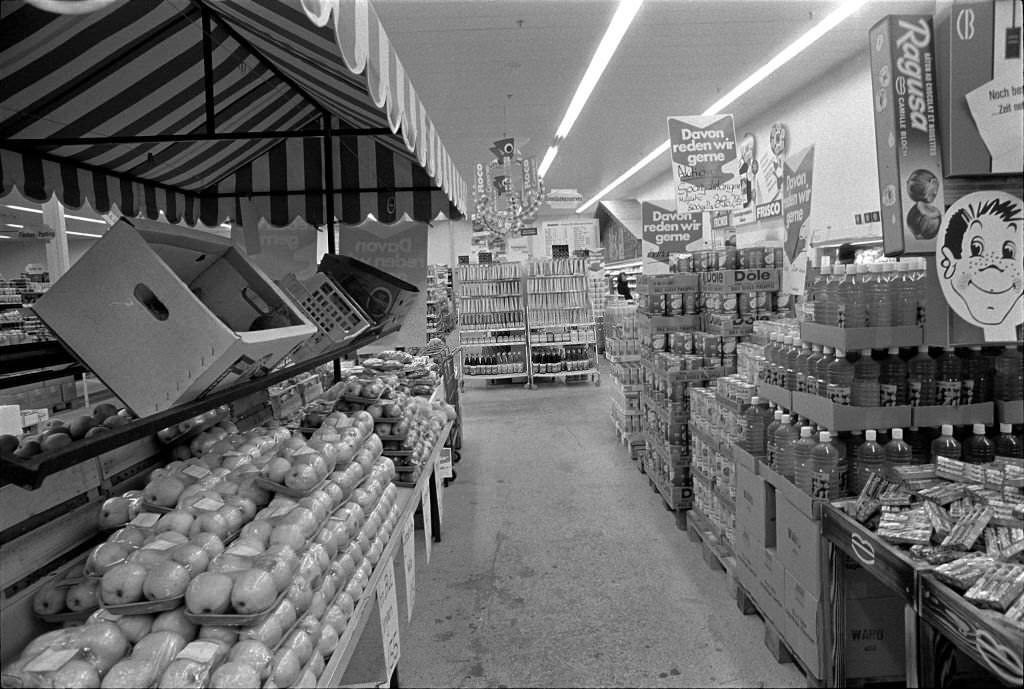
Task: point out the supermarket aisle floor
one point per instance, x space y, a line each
560 566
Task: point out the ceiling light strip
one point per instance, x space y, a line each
759 75
617 28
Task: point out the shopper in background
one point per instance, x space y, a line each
847 254
622 287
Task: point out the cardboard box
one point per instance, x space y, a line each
906 141
804 619
750 504
850 339
773 585
875 637
163 315
774 393
844 417
746 280
960 415
799 546
974 45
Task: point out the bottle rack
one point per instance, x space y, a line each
526 321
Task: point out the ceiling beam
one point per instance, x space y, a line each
198 136
303 192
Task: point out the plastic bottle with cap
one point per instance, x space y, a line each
771 448
921 379
840 379
1008 445
864 390
870 460
897 453
979 449
892 379
810 381
948 378
879 295
786 436
946 445
802 459
821 371
823 468
792 352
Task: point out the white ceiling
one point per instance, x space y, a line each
465 57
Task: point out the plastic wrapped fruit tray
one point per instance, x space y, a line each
150 507
236 619
63 579
393 438
145 607
362 400
281 489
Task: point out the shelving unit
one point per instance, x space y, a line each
440 306
490 350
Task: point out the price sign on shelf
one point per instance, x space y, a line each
427 530
439 486
444 463
409 555
387 603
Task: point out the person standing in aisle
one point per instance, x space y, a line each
622 287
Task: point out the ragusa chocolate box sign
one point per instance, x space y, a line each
906 137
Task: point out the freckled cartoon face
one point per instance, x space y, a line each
988 275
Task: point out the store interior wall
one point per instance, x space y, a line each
15 254
447 240
834 114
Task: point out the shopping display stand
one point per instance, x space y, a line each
844 537
354 643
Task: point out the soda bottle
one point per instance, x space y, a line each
810 382
852 440
870 460
821 371
977 376
920 287
754 428
864 392
946 445
1008 445
948 378
879 296
802 459
842 466
786 436
817 290
892 379
826 308
800 369
1009 375
824 468
979 449
771 358
770 447
921 379
840 379
849 305
904 296
897 453
920 444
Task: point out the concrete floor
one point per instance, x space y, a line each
560 566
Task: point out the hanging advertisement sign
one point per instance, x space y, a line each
576 234
704 164
400 250
669 231
279 250
564 199
979 259
796 201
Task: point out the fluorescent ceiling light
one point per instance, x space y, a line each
13 225
71 217
83 234
602 56
759 75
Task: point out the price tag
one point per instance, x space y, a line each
444 463
208 504
196 471
51 660
463 260
427 530
409 555
387 603
146 520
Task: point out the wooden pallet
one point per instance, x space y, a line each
773 639
717 554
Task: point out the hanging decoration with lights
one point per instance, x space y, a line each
507 191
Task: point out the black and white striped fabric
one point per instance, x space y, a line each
137 68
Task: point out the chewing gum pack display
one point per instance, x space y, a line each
968 529
962 573
998 588
911 527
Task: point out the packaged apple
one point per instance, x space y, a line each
74 656
192 667
67 595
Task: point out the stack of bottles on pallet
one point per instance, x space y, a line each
892 377
881 294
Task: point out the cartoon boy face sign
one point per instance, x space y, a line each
980 248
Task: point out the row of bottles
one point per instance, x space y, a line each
497 320
559 359
873 378
493 363
826 465
881 294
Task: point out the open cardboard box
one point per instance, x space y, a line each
164 315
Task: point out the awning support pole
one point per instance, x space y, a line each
329 204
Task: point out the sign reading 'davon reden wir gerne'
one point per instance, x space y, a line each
705 167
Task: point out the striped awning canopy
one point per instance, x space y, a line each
191 106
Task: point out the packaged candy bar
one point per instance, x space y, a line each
912 472
940 520
998 588
992 543
911 527
934 555
943 494
1002 512
968 529
952 469
867 502
1014 550
896 495
963 572
1015 613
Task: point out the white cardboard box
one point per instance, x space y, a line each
162 314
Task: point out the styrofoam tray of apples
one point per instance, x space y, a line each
68 595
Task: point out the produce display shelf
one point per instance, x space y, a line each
29 473
986 636
409 498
